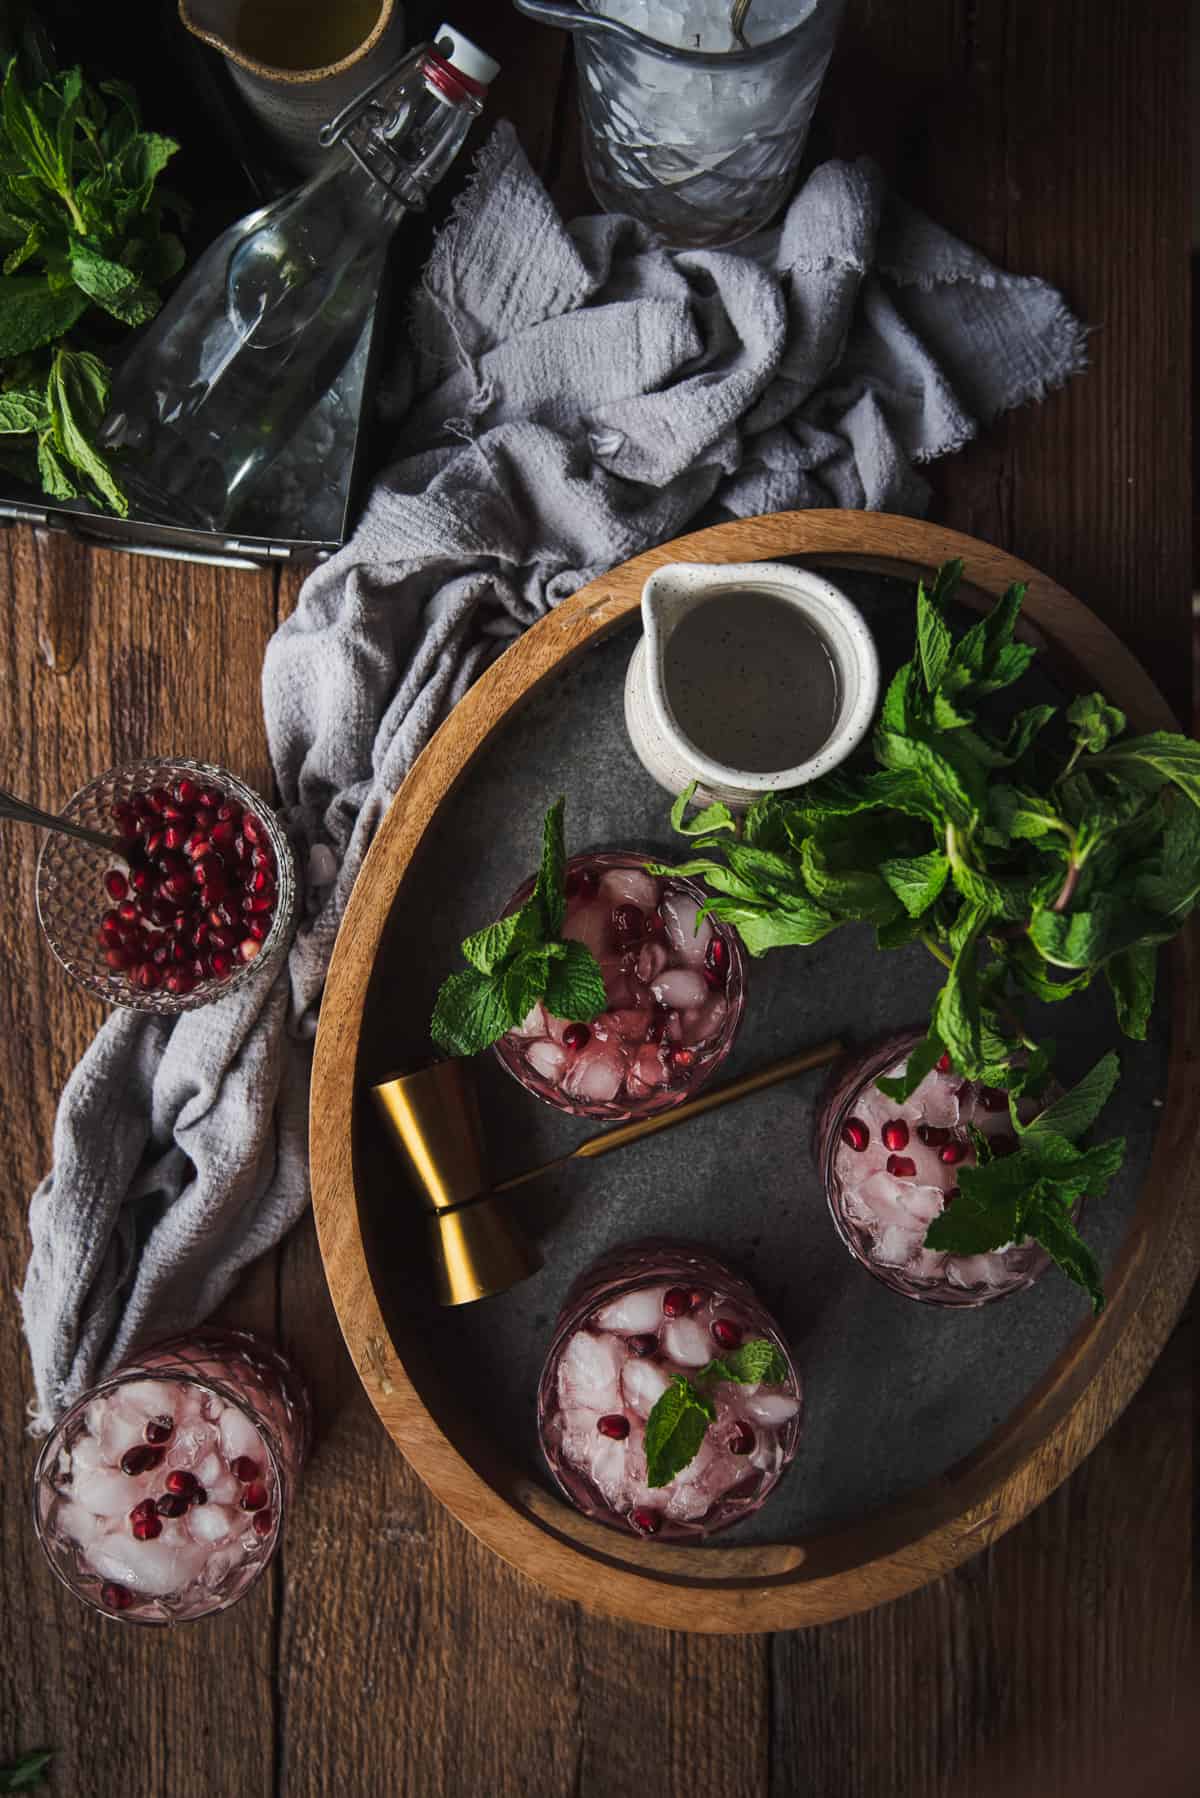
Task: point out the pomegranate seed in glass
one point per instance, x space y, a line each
619 1339
675 995
161 949
161 1495
883 1203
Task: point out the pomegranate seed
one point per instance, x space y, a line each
992 1099
895 1134
943 1063
160 955
901 1167
855 1135
175 837
115 884
174 813
627 923
141 1458
180 982
741 1441
199 935
198 969
171 862
154 843
175 886
211 798
171 1505
953 1153
199 1496
146 1508
249 949
713 978
255 831
127 912
677 1302
259 928
261 1523
110 929
146 1528
682 1058
642 1346
226 936
262 882
645 1520
224 834
205 817
197 846
716 956
139 879
117 1598
575 1036
696 1297
159 798
220 965
146 976
1002 1145
159 1430
254 1497
259 905
181 1482
614 1426
117 959
726 1332
244 1468
229 812
261 857
932 1135
186 791
213 878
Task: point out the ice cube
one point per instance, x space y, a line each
212 1523
209 1470
636 1313
649 1066
877 1200
771 1408
630 1025
642 1385
165 1565
681 988
532 1024
590 1371
922 1203
547 1059
85 1454
239 1436
977 1270
936 1101
106 1492
606 1467
151 1398
927 1264
596 1076
193 1441
630 886
224 1490
652 960
895 1246
687 1342
704 1022
679 914
218 1567
687 1503
119 1430
590 922
76 1522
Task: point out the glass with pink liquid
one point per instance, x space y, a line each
641 1314
160 1496
675 985
890 1169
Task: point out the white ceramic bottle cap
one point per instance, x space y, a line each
465 56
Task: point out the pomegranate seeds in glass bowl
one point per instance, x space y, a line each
890 1168
675 994
203 899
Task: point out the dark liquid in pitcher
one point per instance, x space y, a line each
751 684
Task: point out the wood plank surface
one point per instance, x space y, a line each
389 1654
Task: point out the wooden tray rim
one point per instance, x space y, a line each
931 1530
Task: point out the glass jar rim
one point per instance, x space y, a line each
572 18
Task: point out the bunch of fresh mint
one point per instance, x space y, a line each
678 1423
518 961
1027 855
82 216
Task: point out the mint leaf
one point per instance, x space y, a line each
471 1012
575 985
548 889
492 945
31 314
1176 886
1054 1228
115 288
713 817
922 1061
21 410
78 396
1077 1110
1131 976
675 1429
523 980
28 1772
980 1218
755 1363
1161 756
933 639
956 1010
1094 721
763 927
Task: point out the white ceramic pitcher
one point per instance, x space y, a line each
673 760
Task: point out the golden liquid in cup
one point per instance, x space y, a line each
303 34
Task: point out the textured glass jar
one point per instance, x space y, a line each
702 146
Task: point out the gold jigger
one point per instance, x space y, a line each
477 1248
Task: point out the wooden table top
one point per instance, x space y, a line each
387 1653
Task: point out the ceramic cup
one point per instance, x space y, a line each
667 754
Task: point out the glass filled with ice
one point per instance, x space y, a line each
890 1169
641 1318
161 1494
675 987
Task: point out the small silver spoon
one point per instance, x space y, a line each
22 812
737 20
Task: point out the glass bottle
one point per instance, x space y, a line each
263 324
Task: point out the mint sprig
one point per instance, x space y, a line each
518 961
679 1420
1028 852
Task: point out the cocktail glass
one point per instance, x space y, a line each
639 1315
890 1169
675 984
161 1494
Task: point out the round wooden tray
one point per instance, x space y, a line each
775 1585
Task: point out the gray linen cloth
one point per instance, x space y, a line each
574 394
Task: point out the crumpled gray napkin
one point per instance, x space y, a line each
574 394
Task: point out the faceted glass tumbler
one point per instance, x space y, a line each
701 146
70 892
238 1371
